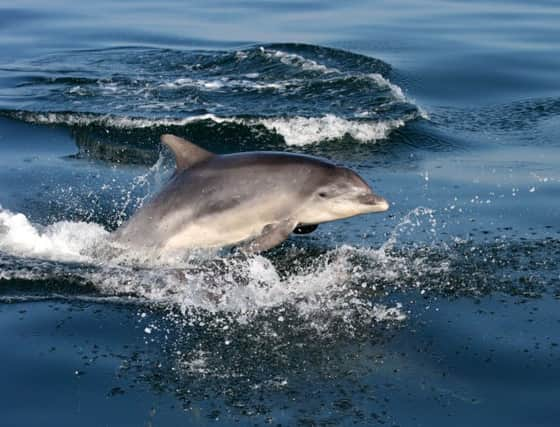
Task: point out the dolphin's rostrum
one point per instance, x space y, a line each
253 199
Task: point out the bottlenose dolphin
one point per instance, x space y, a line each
253 200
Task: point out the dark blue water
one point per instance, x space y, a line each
443 311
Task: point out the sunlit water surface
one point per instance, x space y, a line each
443 311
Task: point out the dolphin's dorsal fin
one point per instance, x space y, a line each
186 153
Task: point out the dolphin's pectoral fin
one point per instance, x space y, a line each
186 153
272 235
305 229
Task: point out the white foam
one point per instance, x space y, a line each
218 84
78 90
241 55
309 130
109 87
67 241
308 64
295 130
385 83
84 119
295 60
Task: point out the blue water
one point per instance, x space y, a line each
443 311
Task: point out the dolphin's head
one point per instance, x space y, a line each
343 195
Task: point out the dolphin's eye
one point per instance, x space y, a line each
322 194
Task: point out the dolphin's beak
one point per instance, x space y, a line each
377 203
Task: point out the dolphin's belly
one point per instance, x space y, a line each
195 236
208 234
223 228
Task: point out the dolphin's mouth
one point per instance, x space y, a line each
378 203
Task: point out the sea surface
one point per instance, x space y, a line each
443 311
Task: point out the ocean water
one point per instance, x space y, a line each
443 311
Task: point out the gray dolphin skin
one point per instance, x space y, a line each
253 200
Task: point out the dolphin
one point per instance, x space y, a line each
253 200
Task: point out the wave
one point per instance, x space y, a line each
297 131
304 93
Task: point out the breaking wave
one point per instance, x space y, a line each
305 94
296 131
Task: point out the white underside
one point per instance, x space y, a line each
228 227
209 234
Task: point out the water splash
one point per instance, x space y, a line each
336 285
149 182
